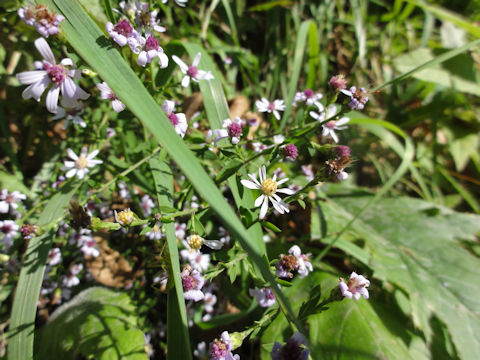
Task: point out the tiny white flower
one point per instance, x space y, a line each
71 279
50 73
155 233
180 230
148 49
192 71
54 257
178 120
269 189
9 229
330 126
71 111
121 32
278 139
201 351
196 259
194 243
265 296
147 204
355 287
80 164
192 282
107 93
231 129
274 107
9 201
124 217
303 266
308 96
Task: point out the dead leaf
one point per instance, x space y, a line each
191 104
110 268
238 106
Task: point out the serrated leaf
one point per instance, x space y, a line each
418 250
228 170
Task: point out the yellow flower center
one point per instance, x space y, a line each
125 217
195 242
156 228
82 162
269 187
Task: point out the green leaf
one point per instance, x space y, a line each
97 323
270 226
20 345
178 339
430 63
436 73
301 43
413 244
229 169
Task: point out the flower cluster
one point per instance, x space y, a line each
45 21
295 261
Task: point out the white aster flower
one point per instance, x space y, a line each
192 282
107 93
278 139
180 230
192 71
148 49
178 120
88 246
231 129
54 257
308 96
196 259
71 111
121 32
50 73
201 351
80 164
10 201
71 279
194 243
330 126
269 189
303 266
124 217
274 107
9 229
355 287
265 296
147 204
155 233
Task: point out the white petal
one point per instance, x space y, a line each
71 154
277 206
142 58
68 87
342 121
44 50
162 60
259 200
30 77
250 185
334 136
92 154
52 99
254 179
286 191
168 106
71 173
213 244
180 63
185 81
117 105
196 61
36 90
264 208
66 62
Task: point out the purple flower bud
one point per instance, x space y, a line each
338 82
28 231
342 151
290 151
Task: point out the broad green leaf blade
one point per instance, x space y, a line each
464 82
348 329
297 66
378 128
92 45
97 323
413 244
178 339
435 61
351 329
20 345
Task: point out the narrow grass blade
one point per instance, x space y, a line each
20 344
447 15
438 60
297 66
217 110
178 340
92 45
